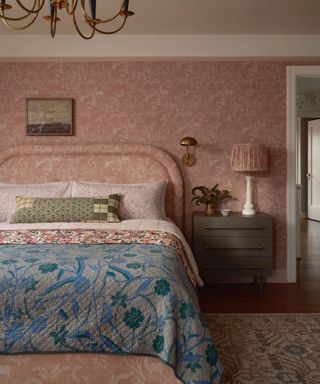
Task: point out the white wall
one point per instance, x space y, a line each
159 46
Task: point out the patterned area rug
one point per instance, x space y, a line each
268 348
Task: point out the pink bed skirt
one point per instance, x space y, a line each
84 369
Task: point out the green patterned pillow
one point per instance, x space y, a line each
71 209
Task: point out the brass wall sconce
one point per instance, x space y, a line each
188 159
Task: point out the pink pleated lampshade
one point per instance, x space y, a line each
249 157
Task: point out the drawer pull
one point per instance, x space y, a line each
207 267
257 248
258 227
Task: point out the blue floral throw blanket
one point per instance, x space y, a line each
103 295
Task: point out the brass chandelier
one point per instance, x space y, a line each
88 8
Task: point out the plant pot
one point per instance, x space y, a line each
209 209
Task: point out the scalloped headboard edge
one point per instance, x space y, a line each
114 163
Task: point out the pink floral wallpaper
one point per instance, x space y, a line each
219 103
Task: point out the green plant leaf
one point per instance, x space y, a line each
205 195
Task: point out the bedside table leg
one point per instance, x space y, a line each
258 281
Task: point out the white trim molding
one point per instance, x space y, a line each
293 224
279 276
24 45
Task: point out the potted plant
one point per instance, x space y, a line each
211 197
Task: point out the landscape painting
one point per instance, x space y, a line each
50 117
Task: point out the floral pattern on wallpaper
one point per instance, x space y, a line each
219 103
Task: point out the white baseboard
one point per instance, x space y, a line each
278 276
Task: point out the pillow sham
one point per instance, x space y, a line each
72 209
139 201
8 193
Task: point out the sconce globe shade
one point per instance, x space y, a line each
188 141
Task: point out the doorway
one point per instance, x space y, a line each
313 174
308 162
294 74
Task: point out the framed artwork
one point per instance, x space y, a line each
50 117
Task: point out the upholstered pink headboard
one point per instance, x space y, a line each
121 163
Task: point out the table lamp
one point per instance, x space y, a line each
249 158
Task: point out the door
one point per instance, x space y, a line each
314 170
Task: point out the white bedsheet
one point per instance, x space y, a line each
137 224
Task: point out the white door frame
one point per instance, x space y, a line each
293 72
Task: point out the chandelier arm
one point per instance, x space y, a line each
5 21
98 21
7 18
87 37
71 10
109 32
38 3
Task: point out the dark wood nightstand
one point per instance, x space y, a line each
233 245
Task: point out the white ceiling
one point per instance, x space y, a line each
204 17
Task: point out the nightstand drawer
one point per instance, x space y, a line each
210 275
232 246
232 226
234 262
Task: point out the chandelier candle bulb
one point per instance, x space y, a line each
92 6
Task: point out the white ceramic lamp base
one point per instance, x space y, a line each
248 209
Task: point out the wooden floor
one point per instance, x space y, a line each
304 296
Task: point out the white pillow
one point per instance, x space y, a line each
139 201
8 193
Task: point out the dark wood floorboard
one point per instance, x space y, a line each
304 296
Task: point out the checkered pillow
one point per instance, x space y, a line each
74 209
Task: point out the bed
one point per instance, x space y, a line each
100 302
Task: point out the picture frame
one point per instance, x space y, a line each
50 117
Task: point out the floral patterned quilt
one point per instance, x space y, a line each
106 292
